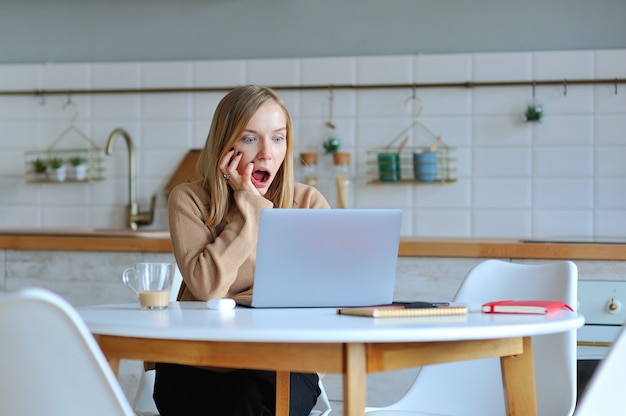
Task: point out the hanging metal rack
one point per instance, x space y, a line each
85 163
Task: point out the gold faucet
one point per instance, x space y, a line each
133 216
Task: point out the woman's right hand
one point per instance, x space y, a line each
229 166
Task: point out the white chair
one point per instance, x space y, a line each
322 407
144 403
604 394
475 387
50 364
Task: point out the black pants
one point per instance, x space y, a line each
181 390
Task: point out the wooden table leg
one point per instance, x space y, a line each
115 365
518 374
113 362
282 393
354 380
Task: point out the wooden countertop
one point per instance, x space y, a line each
84 243
409 247
515 249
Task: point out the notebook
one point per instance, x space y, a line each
326 258
399 311
525 306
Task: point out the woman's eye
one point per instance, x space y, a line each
248 139
278 138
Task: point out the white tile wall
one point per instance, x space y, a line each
564 65
563 176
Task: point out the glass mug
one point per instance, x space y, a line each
151 282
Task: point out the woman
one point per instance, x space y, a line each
245 166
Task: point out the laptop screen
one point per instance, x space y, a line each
326 257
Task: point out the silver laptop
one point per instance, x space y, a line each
326 257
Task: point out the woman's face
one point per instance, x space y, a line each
263 146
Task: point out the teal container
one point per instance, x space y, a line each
425 166
389 167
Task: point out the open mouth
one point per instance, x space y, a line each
261 177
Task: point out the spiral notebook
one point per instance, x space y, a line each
325 258
398 311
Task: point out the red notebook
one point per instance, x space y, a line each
525 306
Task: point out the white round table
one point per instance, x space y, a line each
318 339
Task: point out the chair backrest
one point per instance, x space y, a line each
176 282
50 364
604 394
475 387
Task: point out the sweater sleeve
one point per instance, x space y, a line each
214 264
308 197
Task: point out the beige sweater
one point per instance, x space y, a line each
218 262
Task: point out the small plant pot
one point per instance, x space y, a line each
331 145
77 173
40 176
57 174
39 170
533 113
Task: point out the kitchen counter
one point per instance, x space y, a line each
87 239
514 249
157 241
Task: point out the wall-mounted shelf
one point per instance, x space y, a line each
93 165
58 165
406 168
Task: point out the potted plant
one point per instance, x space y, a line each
77 170
39 169
56 170
533 113
331 145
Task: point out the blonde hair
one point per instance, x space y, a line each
230 119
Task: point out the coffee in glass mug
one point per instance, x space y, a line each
151 282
